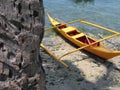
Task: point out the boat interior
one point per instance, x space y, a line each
78 35
61 26
72 33
87 40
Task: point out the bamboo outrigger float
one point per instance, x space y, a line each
83 41
55 57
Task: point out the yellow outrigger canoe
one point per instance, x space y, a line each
83 41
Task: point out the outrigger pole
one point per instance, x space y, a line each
88 23
50 53
64 23
65 65
89 45
97 26
85 22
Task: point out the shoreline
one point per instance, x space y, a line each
85 72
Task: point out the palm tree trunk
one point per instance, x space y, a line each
21 32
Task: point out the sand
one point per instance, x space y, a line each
86 71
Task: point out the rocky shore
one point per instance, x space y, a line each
86 71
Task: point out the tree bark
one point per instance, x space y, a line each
21 32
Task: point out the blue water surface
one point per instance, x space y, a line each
101 12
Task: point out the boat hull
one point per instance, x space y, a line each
78 38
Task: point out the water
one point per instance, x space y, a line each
101 12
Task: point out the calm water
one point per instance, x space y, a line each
101 12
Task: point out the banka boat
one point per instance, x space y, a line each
84 41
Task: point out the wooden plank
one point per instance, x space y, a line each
78 35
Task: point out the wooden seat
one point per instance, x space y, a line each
68 29
78 35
